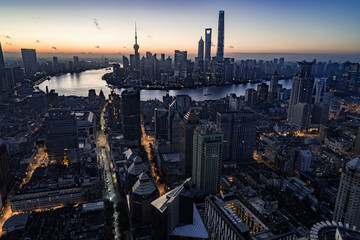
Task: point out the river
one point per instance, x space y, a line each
78 84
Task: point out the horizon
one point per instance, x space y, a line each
257 27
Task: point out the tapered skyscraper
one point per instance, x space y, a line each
2 63
220 46
207 47
200 56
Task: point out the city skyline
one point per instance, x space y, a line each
108 27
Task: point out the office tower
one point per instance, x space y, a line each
52 99
238 129
29 60
55 64
301 160
143 193
5 173
6 80
347 206
2 62
234 102
319 90
220 46
187 127
207 158
61 140
114 110
200 56
274 84
161 123
76 63
175 216
301 91
136 52
250 96
301 116
262 92
180 61
131 114
126 63
207 48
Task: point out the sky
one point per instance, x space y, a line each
251 26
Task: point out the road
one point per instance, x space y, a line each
145 141
104 159
36 160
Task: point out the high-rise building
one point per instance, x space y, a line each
5 174
207 158
2 62
61 140
347 206
180 64
161 123
274 84
301 116
207 48
187 127
239 135
250 96
301 91
200 56
29 60
131 114
262 92
301 160
76 62
175 216
220 44
55 64
114 110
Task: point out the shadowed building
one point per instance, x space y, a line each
131 114
301 90
29 60
61 140
187 127
207 158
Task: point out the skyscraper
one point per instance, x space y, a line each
207 158
29 60
61 140
136 54
207 48
180 67
200 56
2 63
187 127
274 83
131 114
347 206
239 135
220 46
301 91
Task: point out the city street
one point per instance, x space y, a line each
145 141
36 160
104 158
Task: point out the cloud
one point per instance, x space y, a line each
231 46
97 46
149 36
38 41
97 24
6 36
7 43
124 47
54 48
212 44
